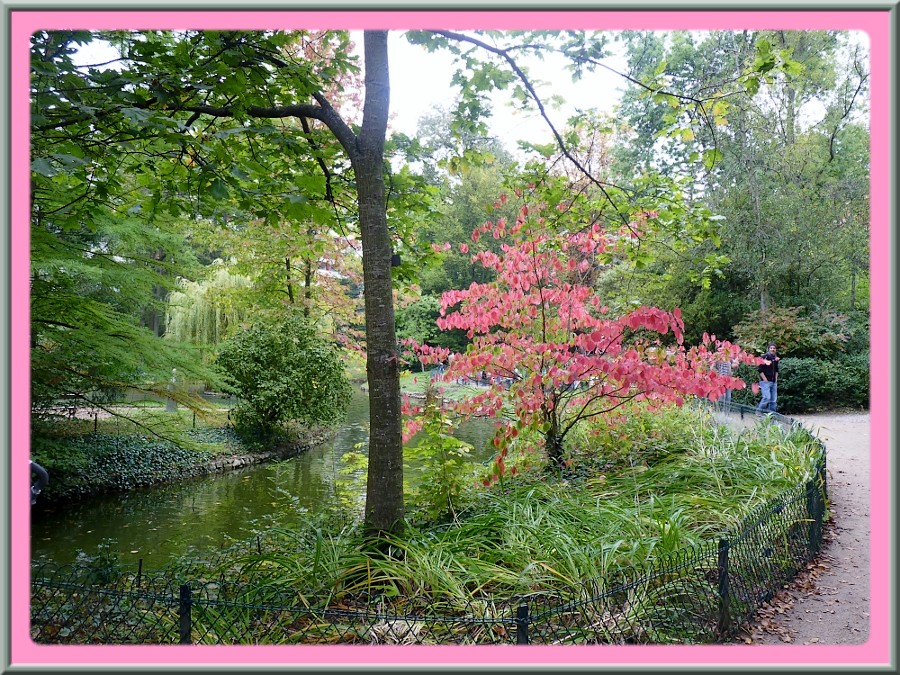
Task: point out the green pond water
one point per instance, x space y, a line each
159 523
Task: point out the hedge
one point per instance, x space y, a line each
807 384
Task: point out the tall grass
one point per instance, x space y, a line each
651 489
683 483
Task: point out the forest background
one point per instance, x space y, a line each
158 238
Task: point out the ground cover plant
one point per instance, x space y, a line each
643 491
124 446
647 486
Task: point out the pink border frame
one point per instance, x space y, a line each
876 651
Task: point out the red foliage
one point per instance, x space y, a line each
553 351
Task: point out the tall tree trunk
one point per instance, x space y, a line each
384 511
309 272
307 288
290 283
790 112
761 272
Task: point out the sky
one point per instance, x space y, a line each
421 80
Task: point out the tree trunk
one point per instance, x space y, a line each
384 510
760 235
554 441
555 451
790 112
308 275
290 285
307 288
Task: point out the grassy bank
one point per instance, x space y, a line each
618 547
141 443
645 489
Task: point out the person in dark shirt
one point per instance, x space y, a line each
768 380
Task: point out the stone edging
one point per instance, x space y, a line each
224 463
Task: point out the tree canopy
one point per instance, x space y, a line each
543 337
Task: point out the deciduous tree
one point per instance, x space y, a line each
554 352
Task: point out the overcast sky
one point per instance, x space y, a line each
420 79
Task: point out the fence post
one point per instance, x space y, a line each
816 507
522 624
184 615
724 591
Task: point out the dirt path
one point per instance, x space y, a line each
829 602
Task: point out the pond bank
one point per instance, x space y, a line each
310 439
98 463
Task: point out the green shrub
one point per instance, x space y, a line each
852 376
805 384
633 437
817 334
858 331
284 372
440 464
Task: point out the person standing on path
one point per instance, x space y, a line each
768 380
726 367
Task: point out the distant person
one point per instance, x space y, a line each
726 367
768 380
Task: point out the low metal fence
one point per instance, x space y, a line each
699 595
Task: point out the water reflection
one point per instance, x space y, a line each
162 522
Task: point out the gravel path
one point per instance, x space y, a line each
828 604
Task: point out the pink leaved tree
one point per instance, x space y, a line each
552 353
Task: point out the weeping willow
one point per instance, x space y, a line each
205 312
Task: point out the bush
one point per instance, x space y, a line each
858 324
805 384
631 437
819 334
852 376
283 373
441 466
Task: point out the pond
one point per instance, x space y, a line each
159 523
